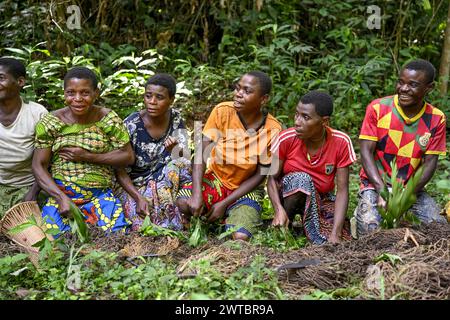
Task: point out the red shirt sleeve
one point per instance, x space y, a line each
279 149
346 154
437 144
369 125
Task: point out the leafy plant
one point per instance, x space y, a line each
400 199
392 258
279 238
150 229
228 232
267 212
127 81
102 276
443 180
340 293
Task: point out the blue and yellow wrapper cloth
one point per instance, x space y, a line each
99 206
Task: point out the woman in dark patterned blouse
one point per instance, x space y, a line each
158 137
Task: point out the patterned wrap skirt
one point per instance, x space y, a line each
161 196
100 207
318 217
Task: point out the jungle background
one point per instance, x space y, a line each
331 45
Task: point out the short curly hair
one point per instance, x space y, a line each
164 80
14 67
322 102
422 65
265 82
81 73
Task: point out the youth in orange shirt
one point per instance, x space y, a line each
239 136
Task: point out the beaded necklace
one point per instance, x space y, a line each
321 150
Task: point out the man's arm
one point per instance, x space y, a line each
341 204
429 167
41 161
117 158
368 163
32 193
370 168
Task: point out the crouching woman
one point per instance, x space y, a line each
308 158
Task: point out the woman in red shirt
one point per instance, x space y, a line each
311 156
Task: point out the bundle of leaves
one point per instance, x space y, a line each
148 228
399 200
198 232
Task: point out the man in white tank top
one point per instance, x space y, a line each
17 129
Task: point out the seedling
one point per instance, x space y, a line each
399 200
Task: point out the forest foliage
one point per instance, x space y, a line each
303 45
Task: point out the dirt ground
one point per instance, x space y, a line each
420 268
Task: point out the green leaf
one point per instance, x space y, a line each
44 51
385 193
52 231
18 51
198 234
150 229
392 258
40 243
79 227
145 223
323 12
426 5
443 185
20 227
412 218
199 296
228 232
146 62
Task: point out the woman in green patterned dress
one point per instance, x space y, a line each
77 149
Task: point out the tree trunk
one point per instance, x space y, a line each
444 70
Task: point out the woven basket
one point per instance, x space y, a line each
18 215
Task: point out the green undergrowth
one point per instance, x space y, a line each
279 238
101 275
